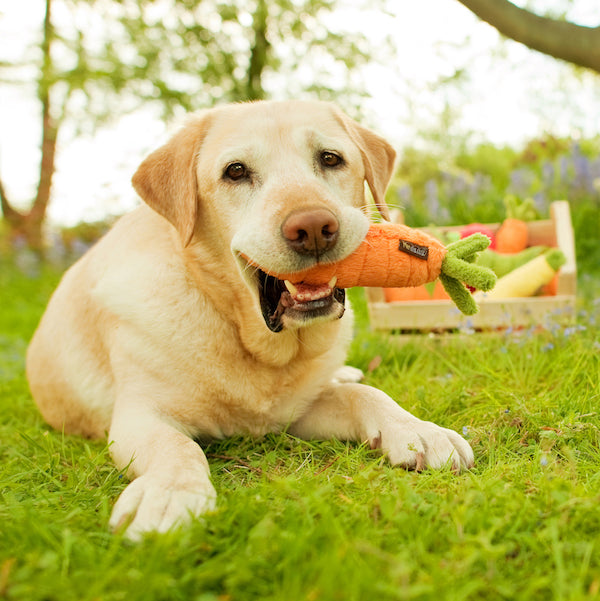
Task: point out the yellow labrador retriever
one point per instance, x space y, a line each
162 334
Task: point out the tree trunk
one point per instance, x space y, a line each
37 214
259 53
29 225
561 39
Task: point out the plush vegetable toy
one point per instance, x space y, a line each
512 235
395 255
503 263
427 292
473 228
527 279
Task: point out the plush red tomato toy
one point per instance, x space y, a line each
473 228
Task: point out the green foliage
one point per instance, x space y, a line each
547 148
327 520
496 163
84 233
476 186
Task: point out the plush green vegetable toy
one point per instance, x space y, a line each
503 263
528 278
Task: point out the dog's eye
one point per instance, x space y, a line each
236 171
330 159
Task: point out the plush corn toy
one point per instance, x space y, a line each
395 255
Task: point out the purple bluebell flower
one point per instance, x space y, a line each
564 169
583 180
541 202
521 181
459 185
548 174
431 197
79 247
404 195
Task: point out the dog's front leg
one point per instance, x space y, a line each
171 475
357 412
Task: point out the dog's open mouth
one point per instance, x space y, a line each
284 304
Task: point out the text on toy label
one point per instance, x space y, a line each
421 252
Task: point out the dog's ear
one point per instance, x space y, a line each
166 179
378 159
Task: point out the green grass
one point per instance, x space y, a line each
327 520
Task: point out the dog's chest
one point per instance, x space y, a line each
255 401
220 379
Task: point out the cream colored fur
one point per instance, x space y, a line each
156 337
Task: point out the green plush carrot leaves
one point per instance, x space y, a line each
458 269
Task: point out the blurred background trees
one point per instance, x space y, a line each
98 59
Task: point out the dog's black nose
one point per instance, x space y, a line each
311 231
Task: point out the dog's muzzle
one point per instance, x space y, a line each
285 305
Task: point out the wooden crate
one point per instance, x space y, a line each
440 315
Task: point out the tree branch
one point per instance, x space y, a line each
568 41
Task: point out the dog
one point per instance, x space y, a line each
163 336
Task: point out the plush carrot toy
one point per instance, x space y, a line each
512 235
395 255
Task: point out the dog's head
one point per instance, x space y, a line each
281 183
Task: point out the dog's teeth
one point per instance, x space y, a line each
333 281
291 288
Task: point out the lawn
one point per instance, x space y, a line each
328 520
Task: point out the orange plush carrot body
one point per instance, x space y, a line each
512 236
419 293
391 255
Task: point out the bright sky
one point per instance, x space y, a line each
504 101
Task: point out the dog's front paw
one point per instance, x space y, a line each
346 374
416 444
149 504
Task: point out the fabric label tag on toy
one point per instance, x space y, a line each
410 248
